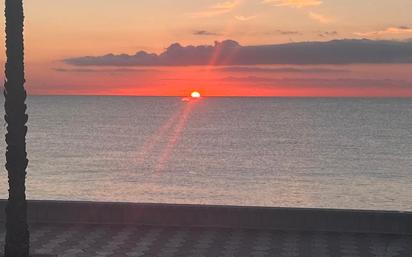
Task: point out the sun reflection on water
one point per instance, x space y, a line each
172 129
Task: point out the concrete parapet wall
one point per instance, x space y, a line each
218 216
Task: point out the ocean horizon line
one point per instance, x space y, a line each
223 96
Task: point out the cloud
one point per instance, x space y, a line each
387 31
323 83
243 69
294 3
244 18
116 70
288 32
328 33
320 18
228 5
216 9
204 33
230 53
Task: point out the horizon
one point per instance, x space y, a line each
232 96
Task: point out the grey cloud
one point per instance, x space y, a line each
288 32
325 83
328 33
204 33
229 52
281 70
116 70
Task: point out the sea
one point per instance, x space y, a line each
344 153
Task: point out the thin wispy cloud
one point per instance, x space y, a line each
320 18
288 32
294 3
216 9
225 5
272 70
388 31
244 18
107 71
328 34
356 83
205 33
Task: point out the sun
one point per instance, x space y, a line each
195 94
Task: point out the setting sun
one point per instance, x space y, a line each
195 94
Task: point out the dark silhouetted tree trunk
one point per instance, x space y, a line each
17 234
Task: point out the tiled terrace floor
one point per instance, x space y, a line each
120 241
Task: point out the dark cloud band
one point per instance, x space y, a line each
230 53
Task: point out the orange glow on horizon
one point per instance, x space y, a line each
179 81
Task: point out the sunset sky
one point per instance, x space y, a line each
68 43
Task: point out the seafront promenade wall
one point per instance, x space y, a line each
218 216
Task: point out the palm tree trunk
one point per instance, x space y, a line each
17 234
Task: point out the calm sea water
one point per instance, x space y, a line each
339 153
